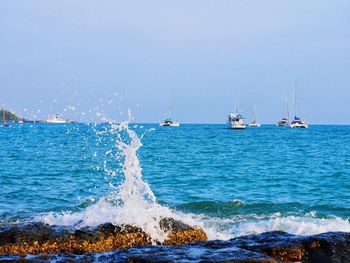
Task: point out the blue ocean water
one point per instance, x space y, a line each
233 182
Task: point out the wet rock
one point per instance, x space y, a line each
328 247
279 245
180 233
185 253
39 238
27 233
170 224
44 239
131 244
109 228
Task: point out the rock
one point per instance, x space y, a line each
328 247
39 238
278 245
170 224
125 243
27 233
180 233
194 252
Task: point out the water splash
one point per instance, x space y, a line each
133 202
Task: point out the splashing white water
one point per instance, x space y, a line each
133 203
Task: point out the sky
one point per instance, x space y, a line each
85 58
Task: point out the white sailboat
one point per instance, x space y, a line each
20 119
297 122
285 120
254 123
169 121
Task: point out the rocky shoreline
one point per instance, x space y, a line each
38 242
39 238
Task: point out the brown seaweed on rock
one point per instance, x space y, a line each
39 238
127 243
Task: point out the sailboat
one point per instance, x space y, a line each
254 123
297 122
20 119
285 120
169 121
235 120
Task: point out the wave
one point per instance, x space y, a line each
105 210
225 220
247 225
238 207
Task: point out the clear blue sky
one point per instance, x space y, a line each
82 53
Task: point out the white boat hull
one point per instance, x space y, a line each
174 124
238 127
299 126
57 119
52 121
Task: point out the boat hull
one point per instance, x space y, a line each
300 126
169 125
237 127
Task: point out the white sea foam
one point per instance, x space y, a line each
218 228
294 225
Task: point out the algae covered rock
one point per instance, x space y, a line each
67 246
181 233
39 238
327 247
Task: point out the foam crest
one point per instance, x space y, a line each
218 228
294 225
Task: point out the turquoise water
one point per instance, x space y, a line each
285 179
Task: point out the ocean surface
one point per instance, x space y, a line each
231 182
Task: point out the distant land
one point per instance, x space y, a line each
9 116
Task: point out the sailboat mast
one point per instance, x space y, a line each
287 108
171 107
295 99
254 113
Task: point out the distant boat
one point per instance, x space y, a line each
20 119
57 119
297 122
169 121
285 120
235 119
254 123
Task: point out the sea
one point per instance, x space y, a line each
229 182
